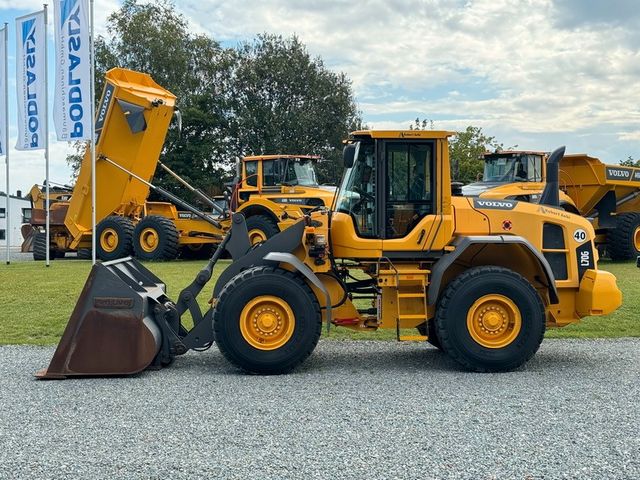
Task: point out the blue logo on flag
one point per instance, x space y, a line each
65 10
27 25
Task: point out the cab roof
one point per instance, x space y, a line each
426 134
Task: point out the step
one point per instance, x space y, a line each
411 295
413 338
418 316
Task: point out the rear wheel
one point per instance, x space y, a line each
115 236
84 254
40 247
261 228
155 238
490 319
623 242
267 320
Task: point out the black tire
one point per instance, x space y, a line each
456 302
621 241
243 289
428 329
262 224
165 238
59 253
197 251
123 228
84 254
40 247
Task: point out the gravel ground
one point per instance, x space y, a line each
355 410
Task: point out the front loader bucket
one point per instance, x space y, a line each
111 330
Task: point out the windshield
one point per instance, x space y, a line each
300 171
358 190
514 168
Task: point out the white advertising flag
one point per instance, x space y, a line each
31 81
72 101
3 98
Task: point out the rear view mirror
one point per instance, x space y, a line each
348 155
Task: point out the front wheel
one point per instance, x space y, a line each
490 319
267 320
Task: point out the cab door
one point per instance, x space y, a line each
410 214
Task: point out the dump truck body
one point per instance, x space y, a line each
480 279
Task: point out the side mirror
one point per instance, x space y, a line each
348 155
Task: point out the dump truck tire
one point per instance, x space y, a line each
490 319
428 329
155 238
623 242
84 254
267 320
40 247
115 238
261 228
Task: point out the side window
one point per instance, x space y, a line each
251 173
271 175
408 190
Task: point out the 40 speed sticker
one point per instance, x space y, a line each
580 235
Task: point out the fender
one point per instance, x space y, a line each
281 257
463 243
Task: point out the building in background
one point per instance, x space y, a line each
20 213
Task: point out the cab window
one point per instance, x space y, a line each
409 187
251 173
271 174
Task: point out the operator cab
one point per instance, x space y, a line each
388 186
501 168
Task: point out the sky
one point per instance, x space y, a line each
535 74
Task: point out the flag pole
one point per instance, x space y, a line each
6 130
46 137
93 136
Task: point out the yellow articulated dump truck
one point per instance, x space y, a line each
481 280
135 113
607 195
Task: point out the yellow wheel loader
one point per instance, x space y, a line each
481 279
607 195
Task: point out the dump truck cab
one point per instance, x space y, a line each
274 191
513 170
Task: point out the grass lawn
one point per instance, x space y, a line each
37 301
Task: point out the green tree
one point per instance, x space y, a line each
630 162
288 102
465 151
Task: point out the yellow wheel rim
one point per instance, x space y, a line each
636 239
256 236
494 321
149 239
267 322
109 240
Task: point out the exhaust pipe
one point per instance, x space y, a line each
551 193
